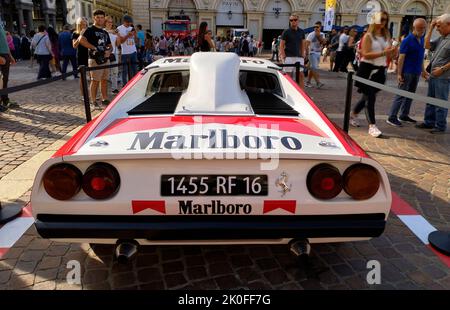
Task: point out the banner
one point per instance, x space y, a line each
330 10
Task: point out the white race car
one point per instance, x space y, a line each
211 149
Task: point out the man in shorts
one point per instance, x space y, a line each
97 40
292 49
313 46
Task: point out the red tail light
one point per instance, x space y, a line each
101 181
324 181
62 181
361 181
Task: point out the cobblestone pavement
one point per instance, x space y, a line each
417 162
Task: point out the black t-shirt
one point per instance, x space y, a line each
82 52
97 37
293 40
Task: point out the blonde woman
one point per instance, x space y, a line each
375 51
82 52
113 72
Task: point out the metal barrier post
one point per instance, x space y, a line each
348 101
84 87
297 72
129 69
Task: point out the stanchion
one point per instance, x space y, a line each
348 101
84 86
9 213
297 72
440 240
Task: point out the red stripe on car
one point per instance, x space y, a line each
294 125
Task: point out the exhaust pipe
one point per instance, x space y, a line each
126 250
300 247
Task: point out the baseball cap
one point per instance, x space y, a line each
127 18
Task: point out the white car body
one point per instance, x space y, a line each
191 141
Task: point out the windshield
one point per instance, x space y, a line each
175 27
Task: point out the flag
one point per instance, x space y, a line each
330 9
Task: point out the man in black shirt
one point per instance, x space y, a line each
292 47
97 40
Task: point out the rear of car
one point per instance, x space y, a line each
256 163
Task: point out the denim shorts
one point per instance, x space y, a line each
314 60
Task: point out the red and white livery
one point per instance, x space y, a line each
215 149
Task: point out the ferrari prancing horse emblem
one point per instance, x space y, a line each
282 182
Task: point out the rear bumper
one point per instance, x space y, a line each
209 227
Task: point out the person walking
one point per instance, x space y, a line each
339 65
375 51
43 50
55 65
334 43
6 60
82 52
274 50
313 46
113 72
292 47
68 53
204 39
96 39
127 37
410 68
439 83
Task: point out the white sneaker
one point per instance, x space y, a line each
353 121
308 84
374 131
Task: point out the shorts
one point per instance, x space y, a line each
98 75
293 60
314 60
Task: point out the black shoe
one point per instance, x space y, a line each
106 102
394 122
424 126
407 119
115 91
437 131
3 108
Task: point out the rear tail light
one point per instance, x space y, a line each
361 181
62 181
324 181
101 181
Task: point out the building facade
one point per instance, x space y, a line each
267 18
24 15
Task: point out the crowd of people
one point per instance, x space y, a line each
370 53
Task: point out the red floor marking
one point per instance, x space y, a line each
401 207
445 259
3 251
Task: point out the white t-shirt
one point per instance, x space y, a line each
113 38
129 46
343 39
379 44
315 46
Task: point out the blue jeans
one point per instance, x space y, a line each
133 59
401 103
436 116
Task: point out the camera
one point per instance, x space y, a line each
98 55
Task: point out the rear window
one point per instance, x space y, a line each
178 81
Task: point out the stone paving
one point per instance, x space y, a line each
417 162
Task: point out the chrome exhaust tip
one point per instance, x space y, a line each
300 247
126 250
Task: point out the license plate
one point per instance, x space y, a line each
214 185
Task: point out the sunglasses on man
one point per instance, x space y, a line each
293 20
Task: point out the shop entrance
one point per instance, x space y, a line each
268 35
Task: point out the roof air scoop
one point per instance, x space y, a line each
214 86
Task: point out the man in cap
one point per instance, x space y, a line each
127 37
